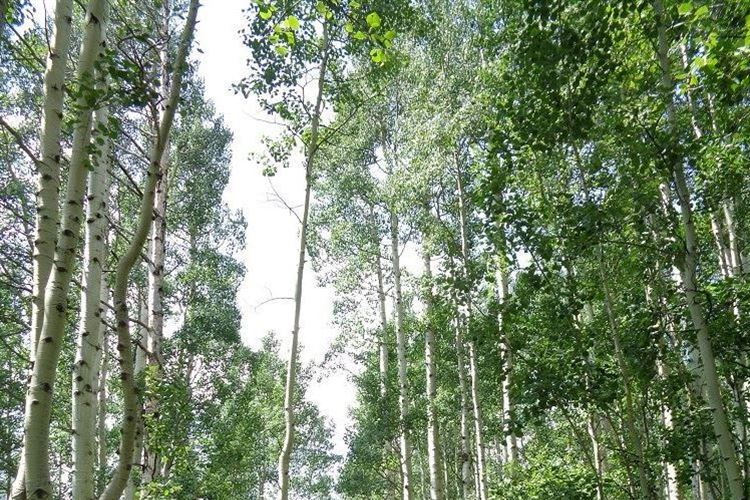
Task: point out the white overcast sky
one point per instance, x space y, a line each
272 232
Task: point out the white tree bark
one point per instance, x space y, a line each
89 339
465 453
725 258
157 250
41 386
433 432
734 247
690 281
49 165
473 367
101 421
48 185
291 375
382 342
501 283
404 404
131 404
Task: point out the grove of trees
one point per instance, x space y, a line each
532 214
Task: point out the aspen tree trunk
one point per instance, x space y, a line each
736 258
291 375
594 422
383 341
403 380
511 445
671 490
382 344
695 391
131 405
721 247
157 249
737 272
597 456
159 228
48 185
730 263
473 368
464 454
671 486
89 339
101 423
140 365
41 386
690 280
433 433
633 436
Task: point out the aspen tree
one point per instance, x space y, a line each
382 344
49 165
721 427
48 185
157 247
131 404
473 364
41 387
433 432
140 365
464 452
101 386
633 438
501 286
404 403
291 377
89 339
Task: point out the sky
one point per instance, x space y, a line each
272 244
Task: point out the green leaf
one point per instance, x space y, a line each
373 20
265 14
684 8
292 23
378 56
360 35
701 12
281 50
349 27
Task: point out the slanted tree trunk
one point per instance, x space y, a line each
404 404
473 363
433 432
291 375
140 365
632 438
89 340
715 400
41 386
131 404
48 185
